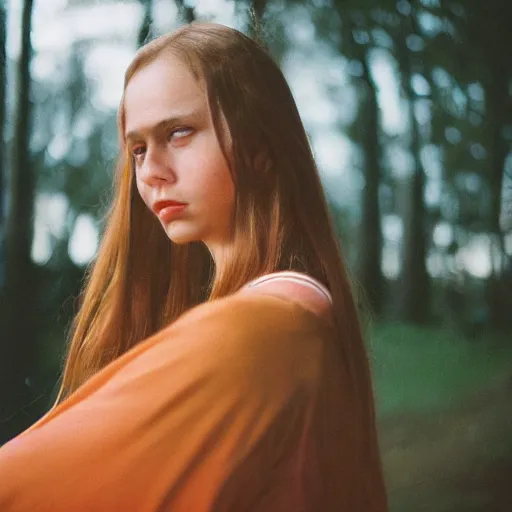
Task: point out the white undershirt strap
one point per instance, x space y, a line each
297 277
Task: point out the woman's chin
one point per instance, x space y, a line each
178 235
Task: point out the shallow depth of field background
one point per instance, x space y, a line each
408 106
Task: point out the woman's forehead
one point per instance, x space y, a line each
163 89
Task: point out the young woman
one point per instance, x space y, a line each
217 362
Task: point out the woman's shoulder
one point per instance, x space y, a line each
300 279
297 288
277 302
251 331
266 321
274 306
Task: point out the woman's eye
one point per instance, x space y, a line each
180 132
138 151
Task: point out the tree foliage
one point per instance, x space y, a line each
431 190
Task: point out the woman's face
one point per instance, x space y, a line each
170 134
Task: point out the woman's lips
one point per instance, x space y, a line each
166 210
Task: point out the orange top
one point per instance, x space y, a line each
237 406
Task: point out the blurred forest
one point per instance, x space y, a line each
408 104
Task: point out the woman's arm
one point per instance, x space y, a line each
205 415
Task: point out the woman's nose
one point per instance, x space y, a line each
157 167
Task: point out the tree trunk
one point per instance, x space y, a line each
369 267
414 298
145 32
496 100
18 347
187 13
256 12
415 283
3 83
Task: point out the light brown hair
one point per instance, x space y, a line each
141 281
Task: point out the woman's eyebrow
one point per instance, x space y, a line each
158 127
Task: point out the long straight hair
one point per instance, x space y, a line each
141 281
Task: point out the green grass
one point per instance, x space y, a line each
420 369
